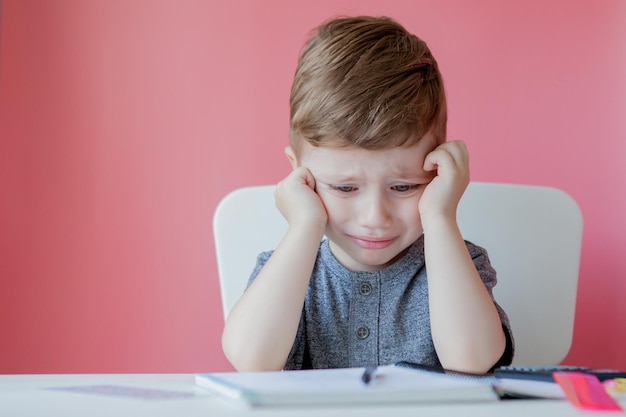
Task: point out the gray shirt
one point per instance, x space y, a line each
353 319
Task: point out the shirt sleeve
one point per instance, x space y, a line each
261 260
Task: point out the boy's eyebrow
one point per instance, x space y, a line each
407 174
336 179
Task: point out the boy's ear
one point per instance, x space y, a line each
291 156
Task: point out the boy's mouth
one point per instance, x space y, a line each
372 242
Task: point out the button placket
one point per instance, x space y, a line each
364 319
365 289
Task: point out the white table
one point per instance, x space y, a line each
125 395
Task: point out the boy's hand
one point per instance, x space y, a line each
450 164
297 200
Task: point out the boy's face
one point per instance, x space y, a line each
371 198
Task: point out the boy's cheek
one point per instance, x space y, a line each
321 193
332 204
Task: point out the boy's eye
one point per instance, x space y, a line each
343 188
403 188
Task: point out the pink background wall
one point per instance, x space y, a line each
123 123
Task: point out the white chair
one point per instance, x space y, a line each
532 234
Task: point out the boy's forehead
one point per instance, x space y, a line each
336 148
353 161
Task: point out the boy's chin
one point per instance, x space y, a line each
377 260
359 259
369 261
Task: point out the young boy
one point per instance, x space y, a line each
372 171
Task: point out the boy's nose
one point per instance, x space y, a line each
375 213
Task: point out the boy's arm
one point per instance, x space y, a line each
465 325
260 330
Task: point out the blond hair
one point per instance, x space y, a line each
366 81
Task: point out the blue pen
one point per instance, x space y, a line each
368 374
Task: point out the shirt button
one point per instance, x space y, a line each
362 332
365 289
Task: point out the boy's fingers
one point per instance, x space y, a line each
304 176
437 158
458 150
447 154
310 179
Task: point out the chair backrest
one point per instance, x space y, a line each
532 234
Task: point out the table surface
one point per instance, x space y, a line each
176 395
